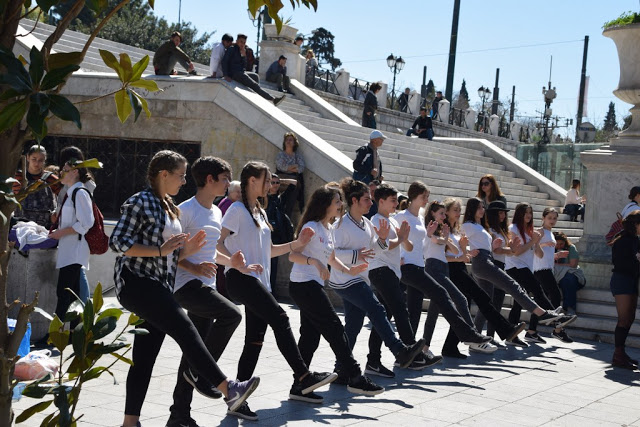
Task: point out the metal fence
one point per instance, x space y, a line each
324 80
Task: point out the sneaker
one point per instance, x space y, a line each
534 337
178 421
517 342
565 320
499 343
201 385
515 331
454 352
342 379
407 354
479 339
559 310
485 347
419 363
562 336
378 370
239 391
279 100
296 394
363 385
316 380
431 358
244 412
548 317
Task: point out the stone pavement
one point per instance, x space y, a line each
552 384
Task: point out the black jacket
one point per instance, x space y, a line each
233 62
363 164
623 256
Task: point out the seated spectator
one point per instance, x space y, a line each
290 164
574 203
234 65
39 206
169 54
403 100
424 124
567 273
233 195
280 222
367 165
277 73
217 53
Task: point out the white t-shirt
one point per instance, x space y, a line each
546 262
193 218
72 250
572 197
171 227
524 260
455 239
417 236
391 257
254 242
629 208
496 235
479 238
320 247
434 250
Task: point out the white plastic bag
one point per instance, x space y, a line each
35 365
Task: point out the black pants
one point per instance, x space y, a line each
68 277
281 80
548 282
419 284
216 318
318 317
262 310
252 81
526 279
393 297
155 304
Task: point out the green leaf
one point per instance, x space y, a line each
56 76
138 331
87 316
62 402
41 100
36 391
16 75
151 3
89 164
122 358
36 120
36 68
143 101
27 413
12 114
109 348
51 420
55 325
139 68
104 327
134 320
62 108
123 105
110 312
97 298
8 94
125 63
149 85
97 5
59 60
135 104
78 338
93 373
111 62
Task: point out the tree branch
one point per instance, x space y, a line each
60 29
31 11
34 25
102 23
97 97
21 327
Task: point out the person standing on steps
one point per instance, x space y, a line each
435 105
367 165
371 106
234 64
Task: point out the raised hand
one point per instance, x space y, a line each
206 269
464 242
364 255
251 268
445 231
357 269
536 236
305 236
473 253
172 243
403 231
383 231
431 228
322 269
195 243
497 243
516 242
238 261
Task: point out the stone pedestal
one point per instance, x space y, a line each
414 102
469 118
514 128
443 111
342 82
382 95
494 124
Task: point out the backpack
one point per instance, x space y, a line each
96 238
614 230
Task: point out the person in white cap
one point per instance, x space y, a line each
367 165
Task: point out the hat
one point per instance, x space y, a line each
498 205
377 134
176 34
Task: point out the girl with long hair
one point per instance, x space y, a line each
306 288
489 190
149 237
245 228
625 256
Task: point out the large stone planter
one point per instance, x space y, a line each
287 33
627 41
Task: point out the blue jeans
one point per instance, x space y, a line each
428 134
359 301
85 292
570 287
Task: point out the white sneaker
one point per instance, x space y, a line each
484 347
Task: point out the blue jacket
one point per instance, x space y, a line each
363 164
275 68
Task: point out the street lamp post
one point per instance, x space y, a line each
484 93
256 18
395 64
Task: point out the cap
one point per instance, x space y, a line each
377 134
497 205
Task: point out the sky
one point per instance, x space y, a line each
517 36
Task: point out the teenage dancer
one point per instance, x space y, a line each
356 241
419 283
245 228
543 267
150 240
483 267
467 285
520 268
625 256
306 288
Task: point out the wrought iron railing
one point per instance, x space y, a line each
358 89
324 80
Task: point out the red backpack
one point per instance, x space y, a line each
96 238
616 228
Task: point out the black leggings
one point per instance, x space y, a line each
68 277
262 310
527 280
548 282
154 303
318 317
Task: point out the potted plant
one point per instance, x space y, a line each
287 32
625 33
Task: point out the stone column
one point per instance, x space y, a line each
443 111
515 130
342 82
469 118
414 102
276 45
494 124
382 95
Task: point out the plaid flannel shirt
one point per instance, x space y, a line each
142 221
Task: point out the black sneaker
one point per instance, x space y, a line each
565 320
201 385
534 337
515 331
431 358
517 342
378 370
244 412
239 391
279 100
549 317
342 379
178 421
498 343
478 339
316 380
454 352
363 385
296 394
562 336
408 353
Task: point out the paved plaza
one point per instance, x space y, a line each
552 384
